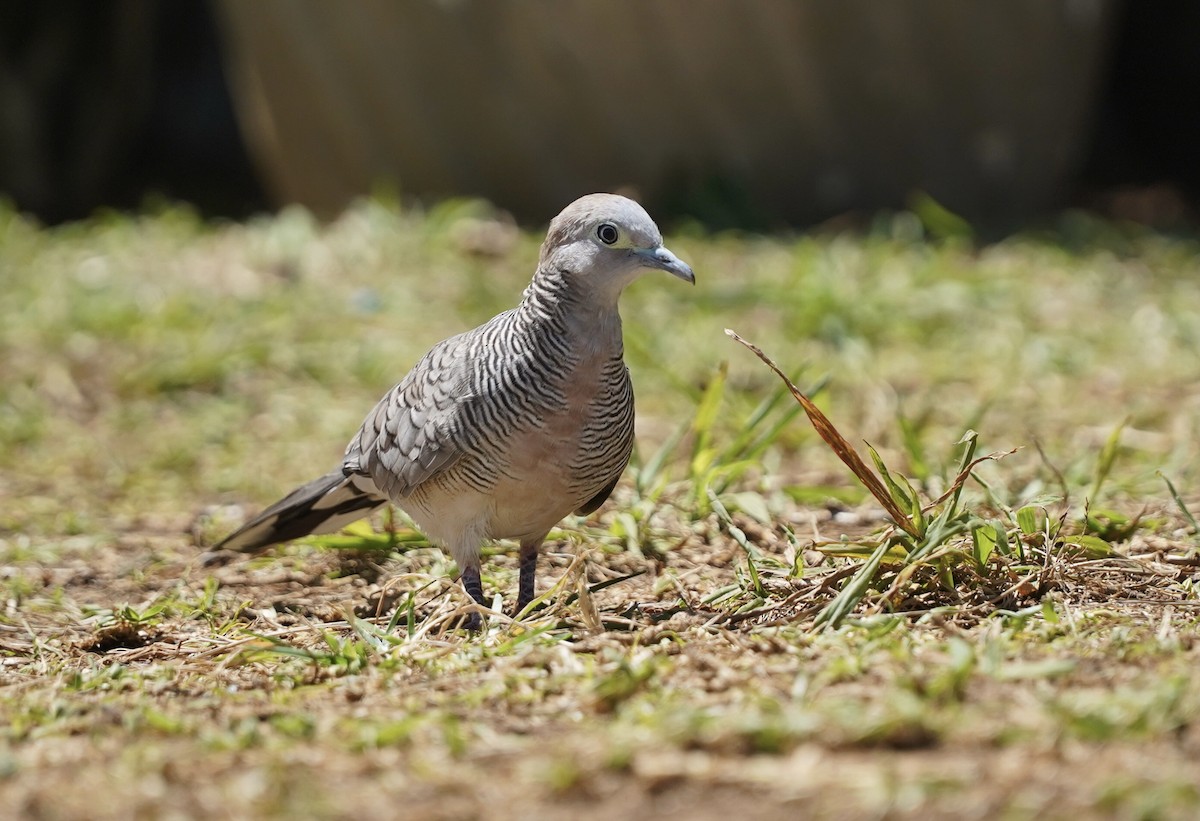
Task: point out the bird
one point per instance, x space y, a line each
502 431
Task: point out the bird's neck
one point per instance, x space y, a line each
555 301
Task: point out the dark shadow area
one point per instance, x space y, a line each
105 104
1144 160
191 147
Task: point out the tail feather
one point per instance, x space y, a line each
323 505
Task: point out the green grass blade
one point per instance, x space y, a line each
647 477
1187 514
705 419
1108 457
914 448
903 498
853 592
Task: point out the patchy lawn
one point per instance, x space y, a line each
742 630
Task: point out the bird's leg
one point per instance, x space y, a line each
474 587
528 561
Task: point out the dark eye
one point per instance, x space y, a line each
607 233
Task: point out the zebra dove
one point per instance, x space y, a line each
500 432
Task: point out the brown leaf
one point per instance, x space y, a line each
838 443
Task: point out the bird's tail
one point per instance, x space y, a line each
322 506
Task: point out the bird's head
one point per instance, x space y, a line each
602 242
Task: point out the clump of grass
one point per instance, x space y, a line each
942 553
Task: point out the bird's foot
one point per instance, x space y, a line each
471 582
471 622
528 565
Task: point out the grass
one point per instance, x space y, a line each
748 627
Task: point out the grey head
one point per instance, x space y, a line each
603 242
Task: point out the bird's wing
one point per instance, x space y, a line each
410 435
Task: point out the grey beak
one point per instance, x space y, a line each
662 259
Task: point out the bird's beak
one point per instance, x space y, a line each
662 258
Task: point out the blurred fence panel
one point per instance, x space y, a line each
791 110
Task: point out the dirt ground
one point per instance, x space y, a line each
663 709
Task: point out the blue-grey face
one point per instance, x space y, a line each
611 236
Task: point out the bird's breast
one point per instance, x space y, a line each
565 457
553 426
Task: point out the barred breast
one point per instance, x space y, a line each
542 423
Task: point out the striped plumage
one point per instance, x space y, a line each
502 431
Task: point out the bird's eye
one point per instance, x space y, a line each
607 233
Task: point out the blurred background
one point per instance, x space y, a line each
760 114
